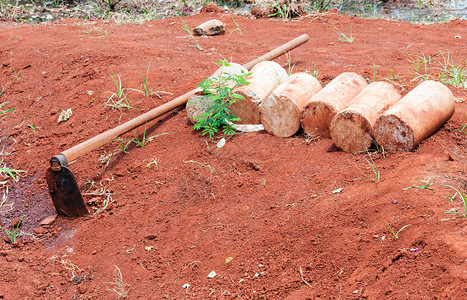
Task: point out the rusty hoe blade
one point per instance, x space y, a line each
63 189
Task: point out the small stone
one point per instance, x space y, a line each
94 252
394 201
212 274
49 220
336 191
221 143
40 230
150 236
21 259
211 27
186 285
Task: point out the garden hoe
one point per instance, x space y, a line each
62 184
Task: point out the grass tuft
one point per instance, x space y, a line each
463 128
427 185
139 140
440 66
374 169
146 92
2 112
11 173
117 285
343 37
14 233
191 36
463 197
237 28
394 233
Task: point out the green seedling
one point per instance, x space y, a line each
146 92
6 111
192 37
394 80
280 10
143 141
2 112
396 234
119 94
122 103
3 90
11 173
237 27
150 14
320 5
152 162
140 141
219 91
463 197
374 168
449 72
14 233
277 77
427 185
421 66
442 66
463 128
313 72
393 76
289 63
16 75
343 37
374 73
419 3
30 125
117 285
57 3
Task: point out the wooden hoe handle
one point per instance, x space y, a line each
111 134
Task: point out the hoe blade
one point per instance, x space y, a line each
65 193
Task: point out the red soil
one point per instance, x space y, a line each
270 205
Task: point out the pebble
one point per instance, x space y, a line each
209 28
49 220
40 230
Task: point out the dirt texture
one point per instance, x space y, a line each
274 218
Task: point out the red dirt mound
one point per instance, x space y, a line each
274 218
